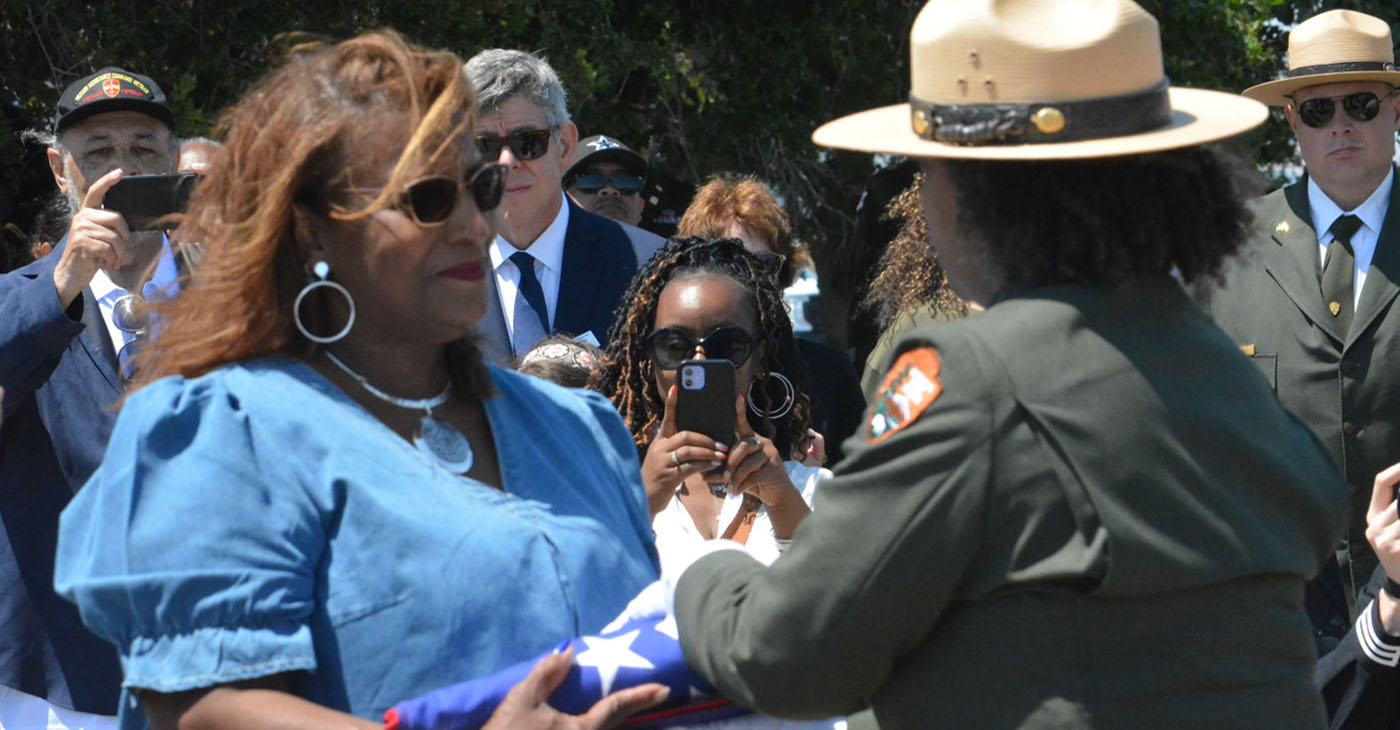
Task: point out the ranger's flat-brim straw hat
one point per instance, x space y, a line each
1040 80
1334 47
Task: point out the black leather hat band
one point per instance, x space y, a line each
1038 123
1340 68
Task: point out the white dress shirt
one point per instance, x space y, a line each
1363 242
548 251
107 294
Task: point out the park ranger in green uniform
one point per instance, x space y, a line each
1316 310
1083 508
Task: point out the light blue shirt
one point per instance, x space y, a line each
256 521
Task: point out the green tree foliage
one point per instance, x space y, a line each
702 86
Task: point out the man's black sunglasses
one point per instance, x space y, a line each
670 346
1362 106
526 145
592 183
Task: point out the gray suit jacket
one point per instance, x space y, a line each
1346 389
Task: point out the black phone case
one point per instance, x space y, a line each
144 199
708 409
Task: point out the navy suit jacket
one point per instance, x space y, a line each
599 262
59 372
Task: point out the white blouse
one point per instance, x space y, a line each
677 536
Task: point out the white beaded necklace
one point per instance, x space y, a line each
436 438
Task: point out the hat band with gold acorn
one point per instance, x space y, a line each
1340 68
1041 122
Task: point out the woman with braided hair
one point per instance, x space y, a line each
710 298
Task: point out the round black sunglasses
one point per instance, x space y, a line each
527 145
670 346
1362 106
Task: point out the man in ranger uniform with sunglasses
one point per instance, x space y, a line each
556 266
1312 298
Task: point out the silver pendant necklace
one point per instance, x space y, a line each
437 439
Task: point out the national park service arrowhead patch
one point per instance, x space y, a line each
910 386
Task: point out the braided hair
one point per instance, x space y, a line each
628 377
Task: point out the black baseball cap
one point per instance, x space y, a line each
602 148
111 89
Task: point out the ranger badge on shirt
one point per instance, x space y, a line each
909 387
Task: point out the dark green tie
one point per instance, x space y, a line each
1338 268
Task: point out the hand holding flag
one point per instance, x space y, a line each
602 678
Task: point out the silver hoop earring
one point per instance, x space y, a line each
323 270
789 396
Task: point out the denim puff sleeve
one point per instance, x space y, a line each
193 548
621 457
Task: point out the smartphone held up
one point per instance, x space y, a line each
705 394
145 201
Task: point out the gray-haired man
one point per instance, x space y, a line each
557 267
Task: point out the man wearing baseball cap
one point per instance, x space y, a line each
1081 508
59 345
1312 298
607 179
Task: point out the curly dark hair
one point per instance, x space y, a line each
627 375
908 275
1103 221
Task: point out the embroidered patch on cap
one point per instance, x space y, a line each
909 387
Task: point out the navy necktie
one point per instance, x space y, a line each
531 314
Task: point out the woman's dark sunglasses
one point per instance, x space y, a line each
430 201
1363 106
526 145
625 184
670 346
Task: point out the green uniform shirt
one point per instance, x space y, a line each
1346 389
1102 519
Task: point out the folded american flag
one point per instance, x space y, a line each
640 650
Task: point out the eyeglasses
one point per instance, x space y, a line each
1362 106
592 183
526 145
670 346
429 201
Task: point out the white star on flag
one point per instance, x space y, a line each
609 655
668 627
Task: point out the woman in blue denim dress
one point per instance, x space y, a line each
319 500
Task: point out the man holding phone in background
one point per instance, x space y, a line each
59 348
